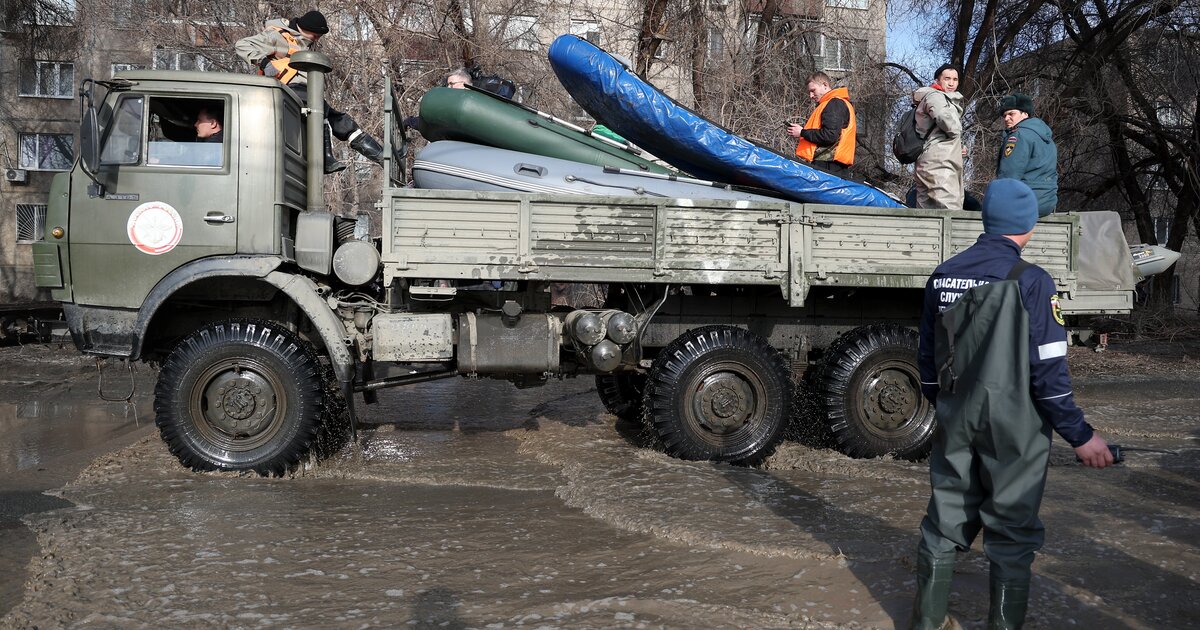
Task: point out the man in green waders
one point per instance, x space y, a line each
993 360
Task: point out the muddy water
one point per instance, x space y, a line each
52 426
473 504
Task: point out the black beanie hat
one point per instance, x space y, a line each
1017 101
313 22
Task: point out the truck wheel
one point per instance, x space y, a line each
334 433
622 394
240 395
719 393
870 390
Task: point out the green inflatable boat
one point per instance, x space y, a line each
473 115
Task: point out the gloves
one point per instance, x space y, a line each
268 69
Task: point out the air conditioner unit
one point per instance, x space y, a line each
16 175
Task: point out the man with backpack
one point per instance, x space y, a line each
937 119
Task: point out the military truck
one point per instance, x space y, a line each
268 314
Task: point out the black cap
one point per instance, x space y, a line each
1017 101
313 22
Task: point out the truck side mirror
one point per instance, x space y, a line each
89 140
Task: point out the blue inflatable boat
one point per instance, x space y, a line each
618 98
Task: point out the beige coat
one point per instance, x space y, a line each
939 169
271 44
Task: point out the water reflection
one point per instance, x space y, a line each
36 431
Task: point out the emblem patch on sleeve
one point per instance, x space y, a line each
1056 310
1008 148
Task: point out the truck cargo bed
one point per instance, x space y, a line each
561 238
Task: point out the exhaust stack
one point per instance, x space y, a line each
316 65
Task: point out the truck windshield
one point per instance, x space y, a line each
124 145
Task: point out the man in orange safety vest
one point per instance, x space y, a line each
826 141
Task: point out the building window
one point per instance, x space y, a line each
716 43
1168 114
54 12
174 60
47 151
126 67
840 54
127 13
849 4
356 27
518 32
48 79
1162 228
586 29
31 222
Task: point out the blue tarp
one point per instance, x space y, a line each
618 98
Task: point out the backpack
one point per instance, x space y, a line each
908 143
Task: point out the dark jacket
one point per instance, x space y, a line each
989 260
1028 154
834 119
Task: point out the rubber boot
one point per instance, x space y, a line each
933 595
1008 604
367 146
332 164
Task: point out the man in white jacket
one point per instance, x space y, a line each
939 169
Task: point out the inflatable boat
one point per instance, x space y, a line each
638 111
451 165
482 117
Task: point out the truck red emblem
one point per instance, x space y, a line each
155 227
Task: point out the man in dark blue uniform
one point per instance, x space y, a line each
993 361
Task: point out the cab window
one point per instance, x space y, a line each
186 132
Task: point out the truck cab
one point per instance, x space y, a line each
162 199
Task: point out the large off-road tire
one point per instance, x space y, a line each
719 393
622 394
870 389
240 395
335 432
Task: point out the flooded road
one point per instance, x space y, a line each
52 426
475 504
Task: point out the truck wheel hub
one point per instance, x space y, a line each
240 402
725 403
891 400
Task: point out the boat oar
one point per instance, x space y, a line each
635 189
674 178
